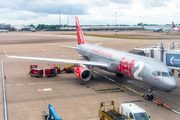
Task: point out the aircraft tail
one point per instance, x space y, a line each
80 37
173 25
142 25
171 43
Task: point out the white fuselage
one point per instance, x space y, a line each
136 66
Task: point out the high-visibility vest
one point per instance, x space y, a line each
59 67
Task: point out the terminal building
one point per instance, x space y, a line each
103 28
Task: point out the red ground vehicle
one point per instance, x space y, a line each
33 66
56 67
36 72
51 72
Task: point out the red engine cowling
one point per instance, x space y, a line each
83 73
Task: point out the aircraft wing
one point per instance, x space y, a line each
91 63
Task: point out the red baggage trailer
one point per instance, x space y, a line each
51 72
33 66
36 72
56 67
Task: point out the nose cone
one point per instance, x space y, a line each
170 84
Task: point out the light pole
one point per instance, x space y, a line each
68 22
59 19
115 21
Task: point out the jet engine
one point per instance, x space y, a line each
83 73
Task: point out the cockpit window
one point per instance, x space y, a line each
171 74
158 73
154 73
165 74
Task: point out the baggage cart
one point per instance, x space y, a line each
33 66
51 72
56 67
36 72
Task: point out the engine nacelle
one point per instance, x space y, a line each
83 73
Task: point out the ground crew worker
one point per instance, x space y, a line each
59 68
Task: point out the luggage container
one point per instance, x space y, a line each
51 72
33 66
36 72
56 67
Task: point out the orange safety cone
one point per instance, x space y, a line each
4 76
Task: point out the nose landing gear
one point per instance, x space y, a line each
150 96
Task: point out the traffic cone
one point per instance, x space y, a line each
4 76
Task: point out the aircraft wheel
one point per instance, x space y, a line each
168 91
147 97
151 97
92 76
119 75
179 75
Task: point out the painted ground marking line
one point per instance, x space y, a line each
136 85
31 83
46 89
155 93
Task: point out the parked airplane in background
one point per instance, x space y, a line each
174 27
156 29
4 31
147 70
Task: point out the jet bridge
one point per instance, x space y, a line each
170 55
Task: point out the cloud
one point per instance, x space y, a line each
90 11
46 7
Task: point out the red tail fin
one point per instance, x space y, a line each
80 36
170 43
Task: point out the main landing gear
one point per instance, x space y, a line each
119 75
150 96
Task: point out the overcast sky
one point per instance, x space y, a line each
90 12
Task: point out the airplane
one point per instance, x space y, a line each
150 28
156 29
174 27
150 71
4 31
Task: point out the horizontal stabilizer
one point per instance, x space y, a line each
98 44
66 46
